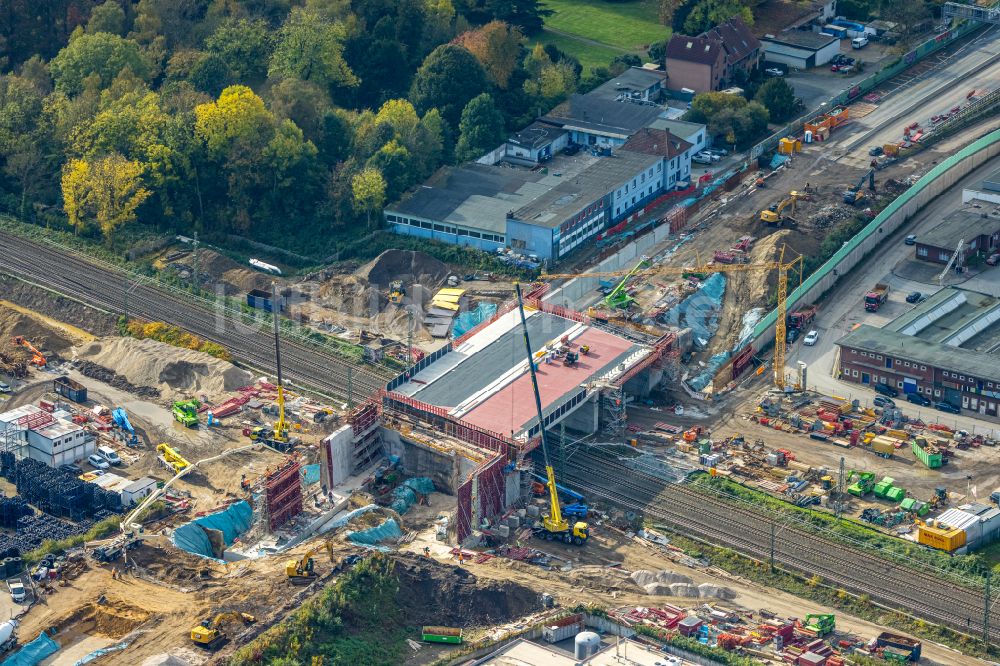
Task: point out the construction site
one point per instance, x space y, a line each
605 435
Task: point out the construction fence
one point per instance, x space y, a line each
936 181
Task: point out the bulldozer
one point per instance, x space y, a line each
210 634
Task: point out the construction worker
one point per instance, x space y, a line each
114 573
427 551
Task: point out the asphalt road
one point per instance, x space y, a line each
103 286
842 307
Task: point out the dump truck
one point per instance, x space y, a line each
802 317
876 297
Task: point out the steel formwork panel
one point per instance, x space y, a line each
283 494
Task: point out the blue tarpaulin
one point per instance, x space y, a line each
32 653
467 321
374 535
700 310
406 494
232 522
310 474
778 161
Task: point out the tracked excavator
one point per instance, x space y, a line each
211 634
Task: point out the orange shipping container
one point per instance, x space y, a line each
936 537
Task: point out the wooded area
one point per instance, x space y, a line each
288 121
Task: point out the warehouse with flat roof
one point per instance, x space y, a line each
946 349
976 225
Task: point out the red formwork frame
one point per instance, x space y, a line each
491 494
662 347
448 424
283 493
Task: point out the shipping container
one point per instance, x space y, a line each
260 299
926 453
883 446
904 643
935 537
556 634
69 388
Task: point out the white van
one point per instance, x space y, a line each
860 42
109 454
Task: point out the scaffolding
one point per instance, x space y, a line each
615 412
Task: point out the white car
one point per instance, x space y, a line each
811 338
721 152
711 157
774 71
98 461
109 454
701 158
17 592
4 387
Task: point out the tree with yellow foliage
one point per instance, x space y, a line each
368 188
106 190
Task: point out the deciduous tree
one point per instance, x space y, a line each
778 98
447 80
107 17
368 190
245 46
310 48
707 14
497 47
480 129
106 190
101 54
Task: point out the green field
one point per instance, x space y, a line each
595 31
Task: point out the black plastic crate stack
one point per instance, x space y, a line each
11 510
8 465
60 493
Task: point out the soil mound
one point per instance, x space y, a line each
407 265
113 619
43 337
237 277
159 365
438 594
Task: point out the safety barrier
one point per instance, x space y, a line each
936 181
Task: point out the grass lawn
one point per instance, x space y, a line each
630 26
589 55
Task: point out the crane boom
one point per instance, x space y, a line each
555 511
281 427
618 298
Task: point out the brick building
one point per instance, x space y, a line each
977 225
711 60
946 349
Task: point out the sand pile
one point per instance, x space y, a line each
159 365
238 277
406 265
45 338
113 619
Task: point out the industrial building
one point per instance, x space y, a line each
799 49
970 526
976 226
130 491
546 213
987 190
947 349
31 432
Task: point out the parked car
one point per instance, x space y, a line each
109 454
774 71
947 407
73 469
792 335
701 158
811 338
875 151
859 42
917 399
913 297
993 260
17 592
910 240
885 389
571 149
721 152
97 461
883 402
4 387
710 155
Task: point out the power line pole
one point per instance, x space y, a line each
840 490
986 606
194 281
350 387
409 336
772 546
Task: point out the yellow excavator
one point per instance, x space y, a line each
300 572
276 435
396 292
554 526
772 216
210 634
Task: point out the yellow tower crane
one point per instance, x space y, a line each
782 266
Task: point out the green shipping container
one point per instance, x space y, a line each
895 494
441 635
932 460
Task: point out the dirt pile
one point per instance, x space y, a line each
604 579
236 277
35 331
62 309
406 265
113 619
173 565
830 216
435 593
170 369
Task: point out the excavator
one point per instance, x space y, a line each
554 526
619 299
300 572
210 634
853 195
37 358
275 436
396 292
772 216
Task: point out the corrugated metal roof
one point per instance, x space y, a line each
957 519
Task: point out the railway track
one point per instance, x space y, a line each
726 523
104 286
